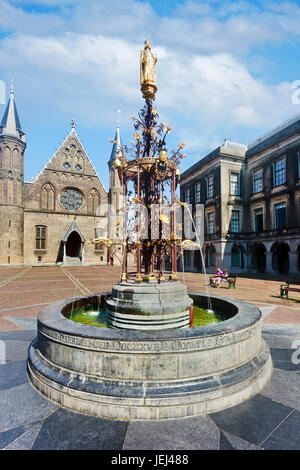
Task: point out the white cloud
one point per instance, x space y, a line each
202 27
85 62
219 88
89 68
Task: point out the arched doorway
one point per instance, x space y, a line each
259 257
73 245
210 256
280 258
197 260
237 256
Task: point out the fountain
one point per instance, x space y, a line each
146 361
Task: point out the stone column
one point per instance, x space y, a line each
82 253
269 268
65 254
293 259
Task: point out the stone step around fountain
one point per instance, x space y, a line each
149 400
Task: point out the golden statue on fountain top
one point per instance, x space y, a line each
148 72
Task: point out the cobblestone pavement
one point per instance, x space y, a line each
270 420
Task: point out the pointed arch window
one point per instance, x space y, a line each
15 158
93 201
48 197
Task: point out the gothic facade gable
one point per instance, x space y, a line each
67 182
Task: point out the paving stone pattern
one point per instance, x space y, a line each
270 420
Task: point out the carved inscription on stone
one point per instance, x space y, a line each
193 344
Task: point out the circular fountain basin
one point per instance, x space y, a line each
155 374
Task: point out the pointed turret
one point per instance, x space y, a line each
10 125
115 194
117 149
12 147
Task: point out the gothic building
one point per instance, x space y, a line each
53 218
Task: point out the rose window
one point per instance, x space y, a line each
71 199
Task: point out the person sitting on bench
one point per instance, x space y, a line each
217 278
225 275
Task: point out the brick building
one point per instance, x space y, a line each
52 219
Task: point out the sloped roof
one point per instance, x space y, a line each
281 132
117 147
72 134
10 124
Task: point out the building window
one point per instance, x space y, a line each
197 193
99 233
210 223
235 221
48 197
210 187
8 260
40 238
298 164
93 201
257 181
71 199
234 184
279 172
258 220
9 223
187 195
279 216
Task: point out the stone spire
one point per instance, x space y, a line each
117 147
10 124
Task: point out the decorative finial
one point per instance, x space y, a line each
73 123
12 85
147 72
118 119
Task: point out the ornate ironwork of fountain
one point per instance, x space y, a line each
149 298
149 364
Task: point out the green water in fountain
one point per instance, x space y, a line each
97 318
89 317
205 317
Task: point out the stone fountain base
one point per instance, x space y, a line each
149 306
150 375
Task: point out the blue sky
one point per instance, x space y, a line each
225 70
